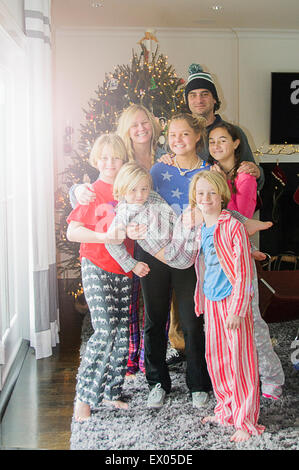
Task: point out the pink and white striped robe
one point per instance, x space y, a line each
233 251
231 354
182 253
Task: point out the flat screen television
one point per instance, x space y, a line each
284 108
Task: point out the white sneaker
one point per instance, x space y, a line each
156 397
174 356
200 399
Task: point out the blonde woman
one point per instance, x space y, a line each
140 132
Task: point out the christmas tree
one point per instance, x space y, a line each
148 80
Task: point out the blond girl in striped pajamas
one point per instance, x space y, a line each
224 294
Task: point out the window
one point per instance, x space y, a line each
7 265
14 268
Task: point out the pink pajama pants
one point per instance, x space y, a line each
232 364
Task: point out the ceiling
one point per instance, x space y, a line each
227 14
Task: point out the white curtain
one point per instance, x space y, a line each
44 319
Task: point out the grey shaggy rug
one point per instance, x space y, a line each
177 425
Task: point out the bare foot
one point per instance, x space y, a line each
82 411
117 404
254 225
209 419
240 436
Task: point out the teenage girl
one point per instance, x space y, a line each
224 147
107 287
185 135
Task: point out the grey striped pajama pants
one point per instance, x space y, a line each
270 368
104 364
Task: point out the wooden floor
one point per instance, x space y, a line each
38 415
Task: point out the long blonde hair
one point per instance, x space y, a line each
125 122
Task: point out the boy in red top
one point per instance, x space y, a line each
107 287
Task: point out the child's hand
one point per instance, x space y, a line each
167 158
141 269
233 322
252 226
136 232
116 235
192 217
259 255
85 194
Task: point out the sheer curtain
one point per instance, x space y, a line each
44 317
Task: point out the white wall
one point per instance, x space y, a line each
241 63
261 54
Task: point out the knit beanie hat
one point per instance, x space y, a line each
200 79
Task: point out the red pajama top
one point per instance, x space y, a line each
97 216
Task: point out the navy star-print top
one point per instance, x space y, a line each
172 186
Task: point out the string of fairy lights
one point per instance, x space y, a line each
277 149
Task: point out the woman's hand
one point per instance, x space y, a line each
167 158
136 232
85 194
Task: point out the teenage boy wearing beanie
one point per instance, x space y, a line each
201 98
